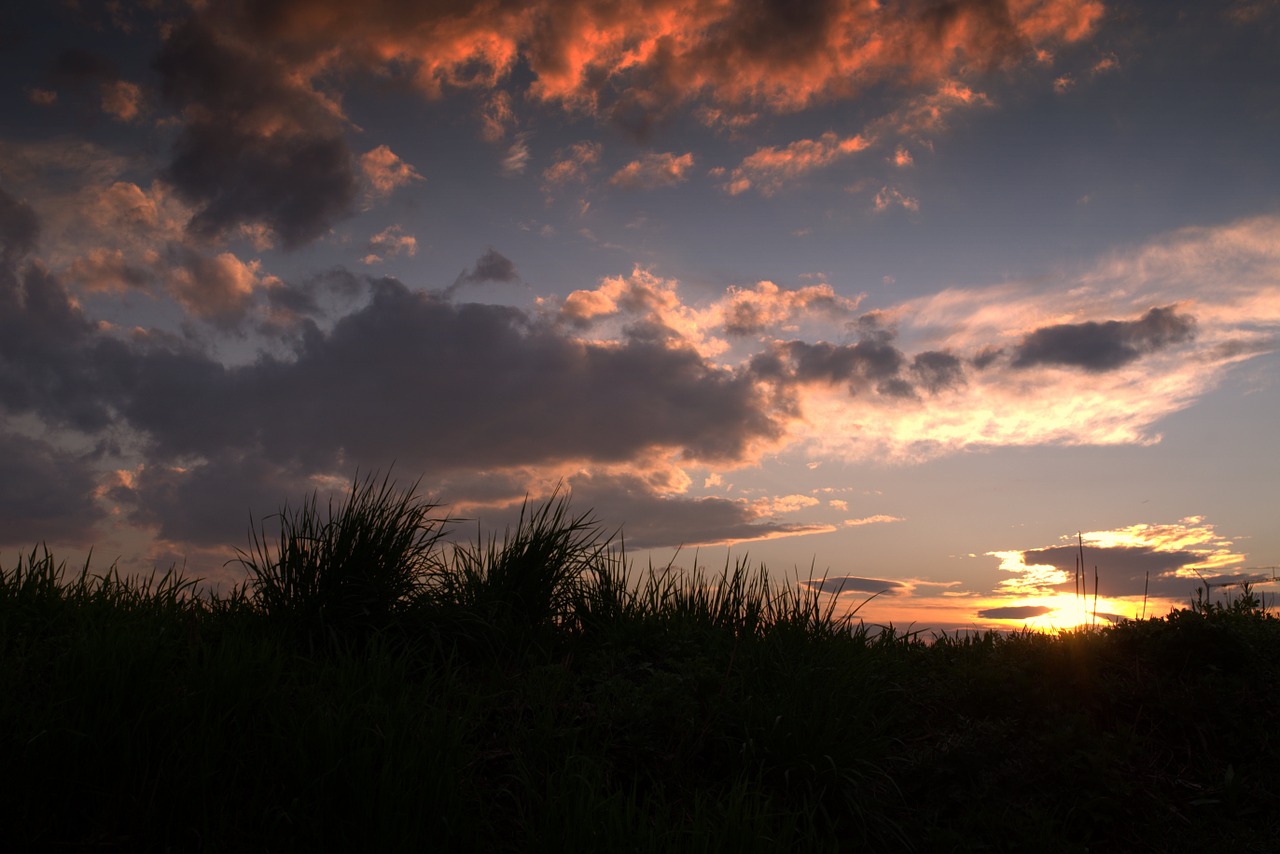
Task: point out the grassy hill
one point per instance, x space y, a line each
372 687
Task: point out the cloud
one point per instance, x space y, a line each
854 584
1224 277
653 519
936 371
889 197
1104 346
928 113
496 116
750 311
878 519
517 156
390 242
520 392
109 271
1015 612
1159 560
385 171
210 503
257 145
572 164
46 494
769 169
872 362
19 229
45 365
218 289
122 100
492 266
654 170
634 58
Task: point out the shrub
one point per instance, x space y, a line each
349 573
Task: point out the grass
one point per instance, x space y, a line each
374 685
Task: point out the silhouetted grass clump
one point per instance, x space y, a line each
375 686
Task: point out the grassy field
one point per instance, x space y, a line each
374 687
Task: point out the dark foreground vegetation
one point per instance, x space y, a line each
374 688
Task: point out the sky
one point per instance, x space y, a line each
920 297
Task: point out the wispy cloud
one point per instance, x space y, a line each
770 169
654 170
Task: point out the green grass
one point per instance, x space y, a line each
373 685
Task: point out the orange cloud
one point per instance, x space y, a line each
390 241
654 170
769 169
122 100
385 171
657 52
878 519
889 197
573 163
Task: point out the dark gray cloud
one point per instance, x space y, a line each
459 385
1016 612
937 371
652 521
256 146
871 363
78 65
46 494
409 375
19 229
1129 570
856 584
869 360
1098 347
986 357
211 504
492 266
45 366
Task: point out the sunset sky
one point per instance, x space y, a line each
908 293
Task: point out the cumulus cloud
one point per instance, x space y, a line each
492 266
257 144
19 229
498 367
634 57
1161 561
654 170
46 494
750 311
385 171
218 289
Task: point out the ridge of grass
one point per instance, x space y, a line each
373 685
